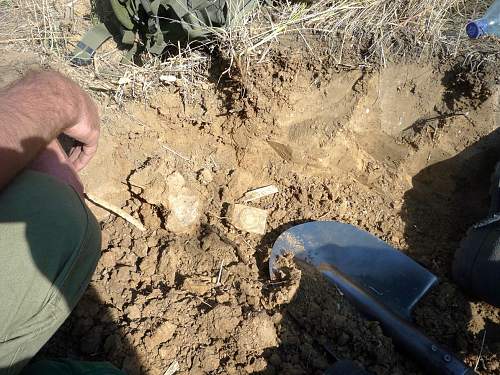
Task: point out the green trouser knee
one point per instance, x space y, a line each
66 367
49 248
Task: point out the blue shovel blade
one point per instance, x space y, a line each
383 272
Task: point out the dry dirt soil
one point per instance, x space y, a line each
404 152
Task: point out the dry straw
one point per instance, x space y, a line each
375 29
51 29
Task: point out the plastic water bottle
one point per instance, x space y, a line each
488 25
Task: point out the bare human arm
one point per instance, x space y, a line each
34 111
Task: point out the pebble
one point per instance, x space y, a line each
161 334
133 312
205 176
108 259
223 298
196 286
185 209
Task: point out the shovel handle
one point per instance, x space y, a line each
434 357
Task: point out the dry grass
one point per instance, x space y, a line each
52 29
186 70
14 29
375 29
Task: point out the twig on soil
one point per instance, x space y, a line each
245 241
220 273
115 210
481 350
204 302
176 153
218 217
134 185
173 368
420 124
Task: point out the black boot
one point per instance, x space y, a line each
476 267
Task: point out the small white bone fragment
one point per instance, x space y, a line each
259 193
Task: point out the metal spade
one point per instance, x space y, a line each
383 283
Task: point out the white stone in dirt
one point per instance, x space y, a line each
184 207
249 219
175 181
167 78
205 176
169 191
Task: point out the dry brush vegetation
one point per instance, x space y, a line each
376 30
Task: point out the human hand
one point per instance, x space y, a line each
34 111
86 132
54 162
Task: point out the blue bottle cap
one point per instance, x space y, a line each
476 28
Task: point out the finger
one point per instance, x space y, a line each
87 152
54 161
74 154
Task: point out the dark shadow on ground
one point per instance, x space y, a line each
446 199
91 331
